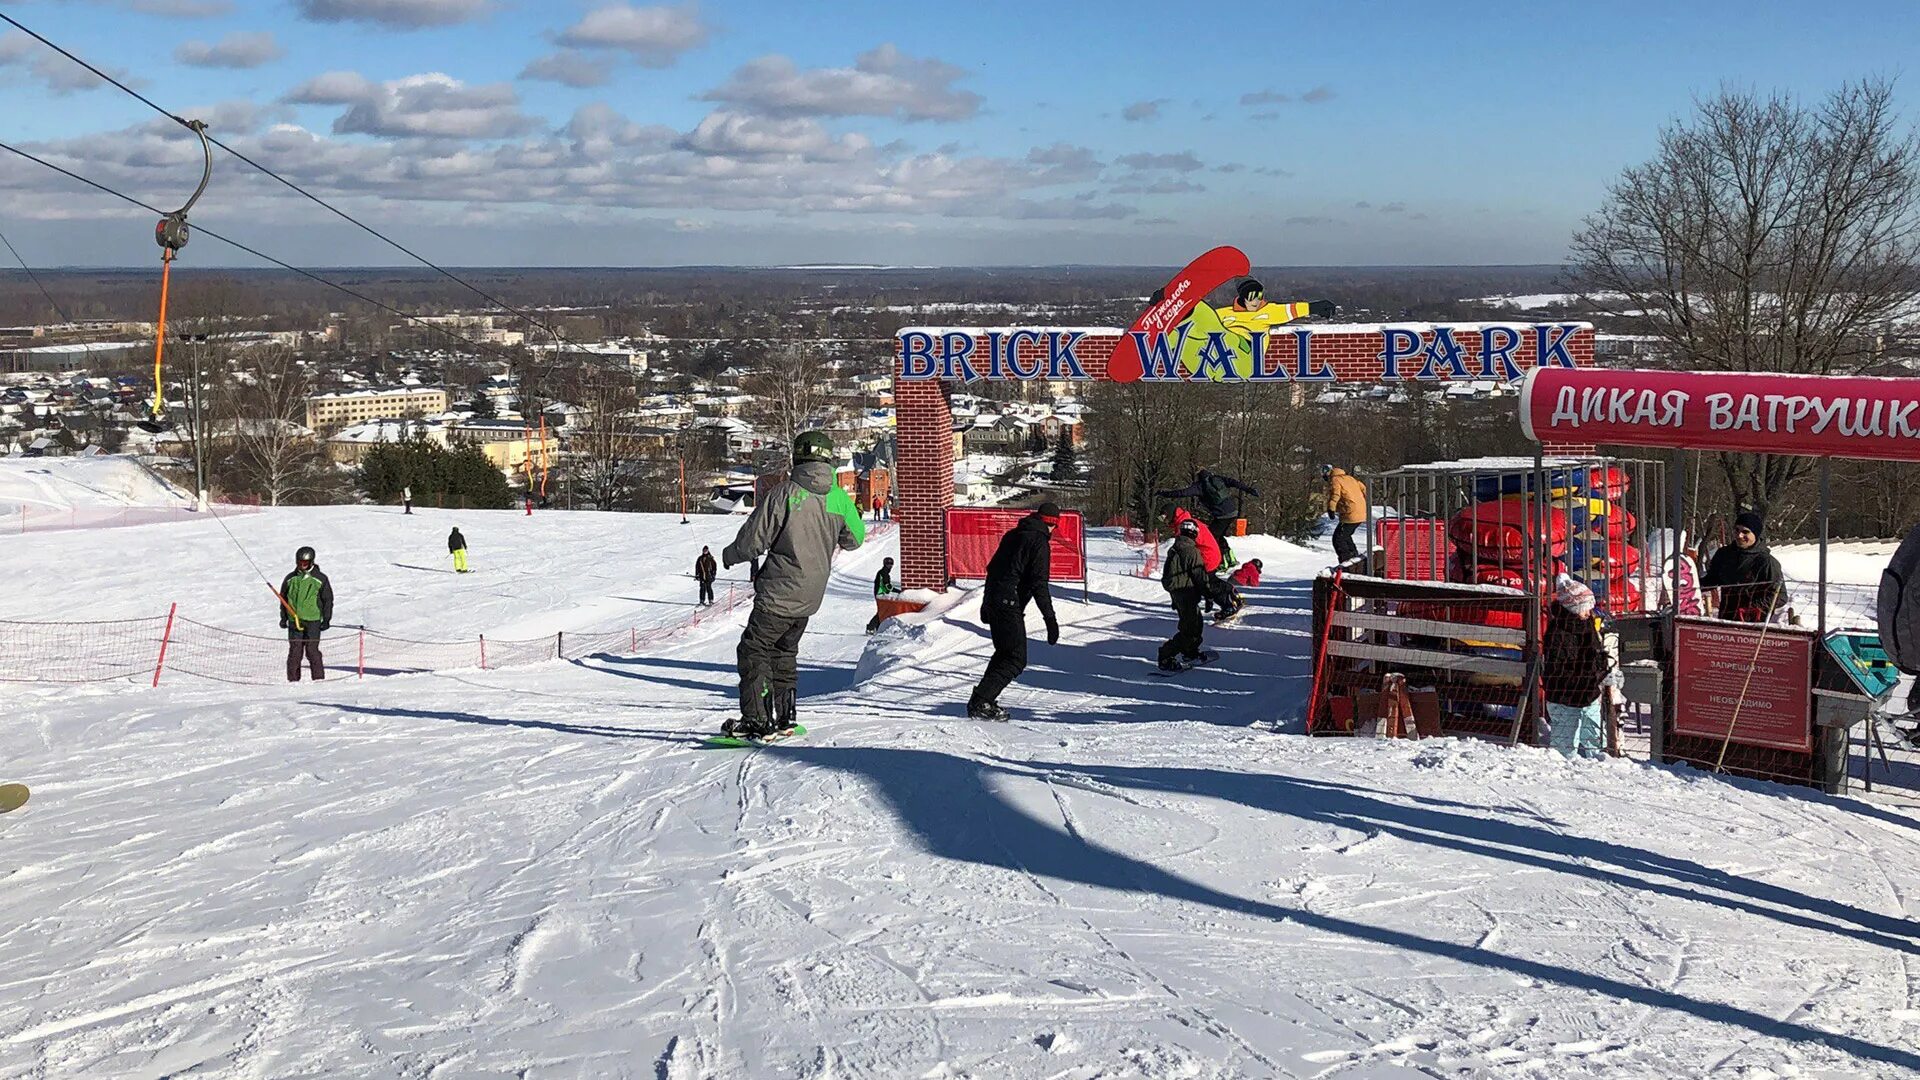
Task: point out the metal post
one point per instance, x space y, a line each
1826 500
199 429
165 637
362 664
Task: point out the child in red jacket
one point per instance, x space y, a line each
1248 576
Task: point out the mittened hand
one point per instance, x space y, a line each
1053 633
1321 309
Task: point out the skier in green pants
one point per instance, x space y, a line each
797 526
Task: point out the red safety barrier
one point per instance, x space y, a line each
974 532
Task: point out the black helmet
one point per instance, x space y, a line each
813 446
1249 287
304 555
1189 527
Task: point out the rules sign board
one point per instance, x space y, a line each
1762 674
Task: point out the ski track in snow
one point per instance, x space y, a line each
541 872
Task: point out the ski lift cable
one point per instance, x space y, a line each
35 278
479 346
342 214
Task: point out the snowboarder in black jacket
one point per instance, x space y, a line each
1018 572
883 581
704 569
457 547
1186 580
1218 503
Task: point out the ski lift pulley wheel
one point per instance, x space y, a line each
172 234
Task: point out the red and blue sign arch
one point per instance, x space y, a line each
930 361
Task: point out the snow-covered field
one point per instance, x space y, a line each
41 484
542 873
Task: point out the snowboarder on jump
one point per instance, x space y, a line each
1347 505
796 526
306 609
704 570
1221 505
457 546
1018 572
1185 578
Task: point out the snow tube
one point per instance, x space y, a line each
1615 557
1616 526
1616 594
1497 530
1583 510
1608 482
1466 613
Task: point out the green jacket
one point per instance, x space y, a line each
797 526
1185 569
310 595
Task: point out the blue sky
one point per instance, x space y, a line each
576 133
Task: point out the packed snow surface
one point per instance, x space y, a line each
66 483
543 873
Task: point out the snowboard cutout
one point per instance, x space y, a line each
1207 656
733 741
12 797
1177 300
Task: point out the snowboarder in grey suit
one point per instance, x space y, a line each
796 526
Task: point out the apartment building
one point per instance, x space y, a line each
359 406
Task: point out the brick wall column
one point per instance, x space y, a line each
923 432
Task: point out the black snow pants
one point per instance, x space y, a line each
769 661
304 644
1222 529
706 591
1344 549
1008 625
1185 640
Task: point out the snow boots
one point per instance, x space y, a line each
986 710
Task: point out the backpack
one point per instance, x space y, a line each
1899 605
1214 491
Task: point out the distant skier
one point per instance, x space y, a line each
1218 502
1347 505
1248 576
1020 570
796 526
306 610
882 587
406 500
704 571
1746 575
457 545
1185 578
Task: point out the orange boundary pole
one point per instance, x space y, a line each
165 637
160 334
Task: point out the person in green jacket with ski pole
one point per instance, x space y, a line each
796 526
306 610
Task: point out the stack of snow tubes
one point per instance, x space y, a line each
1598 547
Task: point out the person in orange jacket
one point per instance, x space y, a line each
1347 505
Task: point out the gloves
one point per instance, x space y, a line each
1053 632
1158 295
1332 514
1321 309
725 563
283 622
321 628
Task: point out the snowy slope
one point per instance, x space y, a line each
542 873
82 482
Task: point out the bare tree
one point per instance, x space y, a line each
788 390
262 406
1766 235
604 446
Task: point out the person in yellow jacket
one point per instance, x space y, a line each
1347 505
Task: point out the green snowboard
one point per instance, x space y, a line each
736 740
12 797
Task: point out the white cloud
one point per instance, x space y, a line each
881 82
58 74
1184 161
396 14
725 134
237 50
653 36
570 67
430 106
1144 110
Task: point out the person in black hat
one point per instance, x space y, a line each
1745 574
1018 572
